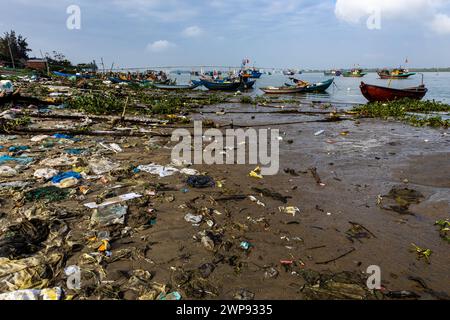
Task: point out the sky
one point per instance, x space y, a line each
304 34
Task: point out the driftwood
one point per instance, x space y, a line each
79 116
335 259
78 132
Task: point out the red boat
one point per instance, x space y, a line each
383 94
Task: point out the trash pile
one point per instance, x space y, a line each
93 207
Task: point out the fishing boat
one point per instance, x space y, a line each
282 90
248 84
118 80
315 87
354 73
334 73
255 74
221 86
384 94
178 86
395 74
289 72
68 75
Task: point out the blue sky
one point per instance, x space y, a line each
271 33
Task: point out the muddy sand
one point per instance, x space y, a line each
352 215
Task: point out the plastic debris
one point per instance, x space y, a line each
200 182
21 160
289 210
75 152
170 296
244 295
112 147
39 138
66 179
194 219
45 173
102 166
61 161
106 216
256 173
162 171
245 245
18 148
14 185
318 133
208 243
7 172
6 86
33 294
29 273
253 199
189 172
115 200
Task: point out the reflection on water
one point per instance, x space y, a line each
346 90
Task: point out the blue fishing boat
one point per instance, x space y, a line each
68 75
316 87
221 86
255 74
118 80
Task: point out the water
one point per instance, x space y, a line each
347 90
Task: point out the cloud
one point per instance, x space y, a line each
193 31
441 24
162 10
160 46
353 11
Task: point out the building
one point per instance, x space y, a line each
37 64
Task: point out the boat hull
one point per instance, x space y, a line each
176 87
221 86
313 88
397 77
361 75
383 94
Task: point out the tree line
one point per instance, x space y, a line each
14 52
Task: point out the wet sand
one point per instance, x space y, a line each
356 168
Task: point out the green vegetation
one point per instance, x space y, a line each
444 229
416 113
94 103
10 125
247 100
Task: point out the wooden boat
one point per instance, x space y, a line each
177 87
288 89
395 74
255 74
221 86
383 94
117 80
68 75
354 73
335 73
289 72
316 87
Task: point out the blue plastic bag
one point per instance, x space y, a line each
66 175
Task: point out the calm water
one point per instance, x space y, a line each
347 90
